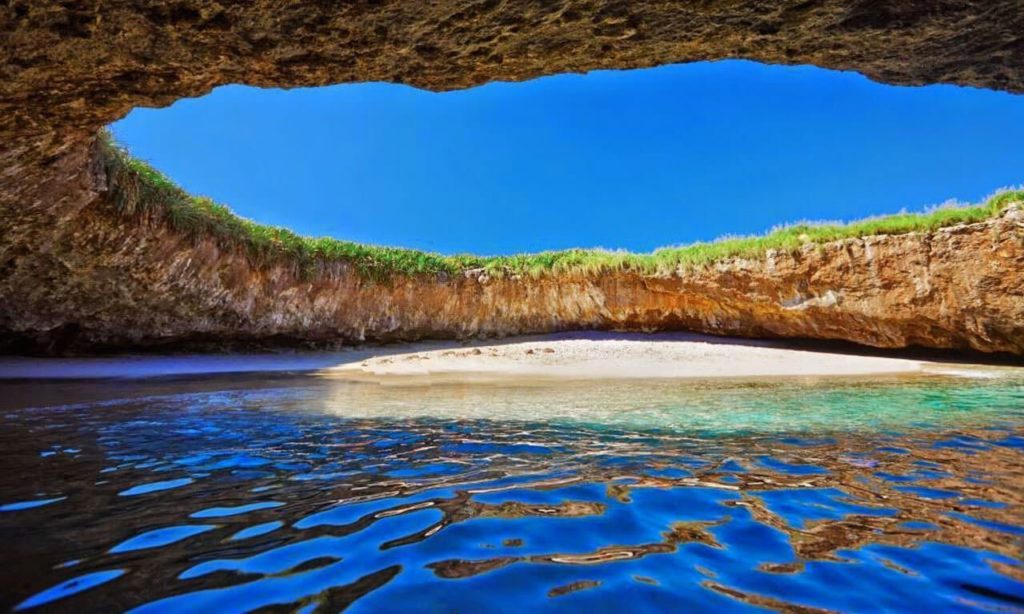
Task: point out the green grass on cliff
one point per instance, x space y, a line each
137 188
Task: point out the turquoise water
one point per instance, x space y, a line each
296 493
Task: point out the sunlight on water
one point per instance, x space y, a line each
681 406
308 494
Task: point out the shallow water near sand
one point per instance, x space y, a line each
299 493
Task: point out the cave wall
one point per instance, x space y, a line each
80 65
74 275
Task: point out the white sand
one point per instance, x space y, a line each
588 355
610 355
570 355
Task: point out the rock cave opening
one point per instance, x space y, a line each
78 275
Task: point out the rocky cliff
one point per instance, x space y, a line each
76 275
83 276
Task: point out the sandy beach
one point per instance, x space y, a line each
618 356
577 355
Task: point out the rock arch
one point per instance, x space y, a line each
72 275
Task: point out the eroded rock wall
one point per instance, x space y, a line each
79 276
75 275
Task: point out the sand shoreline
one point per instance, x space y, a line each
612 356
581 355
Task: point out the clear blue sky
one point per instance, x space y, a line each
619 159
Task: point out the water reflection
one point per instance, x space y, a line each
295 493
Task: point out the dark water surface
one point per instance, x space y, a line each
293 493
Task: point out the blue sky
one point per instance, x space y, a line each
620 159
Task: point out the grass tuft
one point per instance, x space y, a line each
137 188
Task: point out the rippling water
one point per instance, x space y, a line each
292 493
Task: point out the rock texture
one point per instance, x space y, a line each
74 275
82 64
80 276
